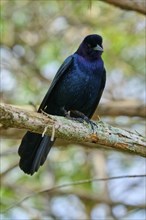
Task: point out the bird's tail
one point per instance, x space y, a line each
33 151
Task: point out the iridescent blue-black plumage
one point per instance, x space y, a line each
77 86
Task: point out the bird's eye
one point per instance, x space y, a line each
89 45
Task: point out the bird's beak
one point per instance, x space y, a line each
99 48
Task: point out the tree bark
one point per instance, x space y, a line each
104 134
133 5
130 108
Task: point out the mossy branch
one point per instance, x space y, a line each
106 135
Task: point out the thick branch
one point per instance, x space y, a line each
73 131
133 5
130 108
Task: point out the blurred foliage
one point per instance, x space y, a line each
36 36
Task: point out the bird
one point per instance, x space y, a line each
75 92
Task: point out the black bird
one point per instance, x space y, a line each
76 88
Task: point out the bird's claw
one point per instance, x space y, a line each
93 125
88 121
80 118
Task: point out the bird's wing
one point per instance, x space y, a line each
63 68
101 88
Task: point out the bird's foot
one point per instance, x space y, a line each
80 117
93 126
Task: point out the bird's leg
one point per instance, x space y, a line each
79 116
82 117
66 113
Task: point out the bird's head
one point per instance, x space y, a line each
91 47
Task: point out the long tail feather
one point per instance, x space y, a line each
33 151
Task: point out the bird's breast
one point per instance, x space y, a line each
78 88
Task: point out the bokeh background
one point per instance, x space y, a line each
36 37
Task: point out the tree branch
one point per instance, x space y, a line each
83 195
79 182
131 108
70 130
133 5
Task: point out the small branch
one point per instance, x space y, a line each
8 170
70 130
132 5
94 198
56 188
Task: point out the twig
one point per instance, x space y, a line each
45 130
73 184
53 133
